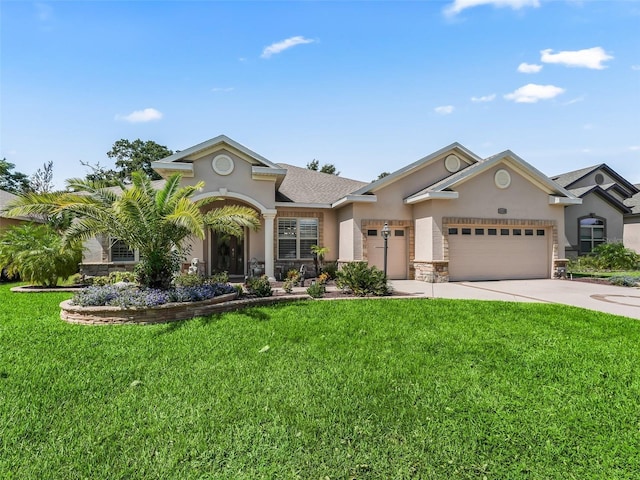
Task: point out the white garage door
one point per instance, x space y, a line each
481 253
396 252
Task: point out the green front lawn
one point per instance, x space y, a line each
333 389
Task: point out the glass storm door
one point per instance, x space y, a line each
227 254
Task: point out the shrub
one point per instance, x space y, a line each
331 269
362 280
220 277
259 286
623 281
38 254
288 285
115 277
239 290
614 256
131 296
316 290
188 280
323 278
294 277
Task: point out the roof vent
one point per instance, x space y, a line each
222 165
452 163
502 178
599 178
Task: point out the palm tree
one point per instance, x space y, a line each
318 257
38 255
158 223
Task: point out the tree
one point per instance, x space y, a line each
10 181
326 168
37 253
318 257
42 180
382 175
156 222
137 155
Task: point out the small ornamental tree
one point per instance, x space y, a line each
38 254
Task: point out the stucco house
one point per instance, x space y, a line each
601 216
452 215
6 221
631 237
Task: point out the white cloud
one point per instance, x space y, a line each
532 93
635 148
485 98
529 68
141 116
587 58
222 89
444 110
635 68
459 5
284 45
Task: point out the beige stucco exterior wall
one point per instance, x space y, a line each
480 198
593 203
346 232
240 181
631 236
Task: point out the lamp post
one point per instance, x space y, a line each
386 232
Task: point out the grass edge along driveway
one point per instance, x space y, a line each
352 389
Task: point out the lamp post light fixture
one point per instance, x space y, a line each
386 233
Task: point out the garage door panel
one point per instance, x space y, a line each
508 253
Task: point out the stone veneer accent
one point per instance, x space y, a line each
432 272
169 312
406 224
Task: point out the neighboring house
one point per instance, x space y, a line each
452 214
6 221
631 236
600 217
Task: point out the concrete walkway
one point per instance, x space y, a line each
603 298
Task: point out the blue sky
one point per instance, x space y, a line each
367 86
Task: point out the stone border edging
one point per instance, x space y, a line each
169 312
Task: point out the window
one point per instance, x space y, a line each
528 232
372 233
296 236
466 231
592 233
479 231
453 231
517 231
504 231
492 231
120 252
398 233
540 233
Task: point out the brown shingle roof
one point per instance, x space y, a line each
302 185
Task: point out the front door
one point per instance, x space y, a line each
227 254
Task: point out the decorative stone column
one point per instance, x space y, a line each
269 220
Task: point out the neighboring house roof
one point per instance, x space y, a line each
566 179
5 199
633 203
304 186
569 178
598 190
443 188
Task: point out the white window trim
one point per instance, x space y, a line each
298 238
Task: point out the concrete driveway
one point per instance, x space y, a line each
603 298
